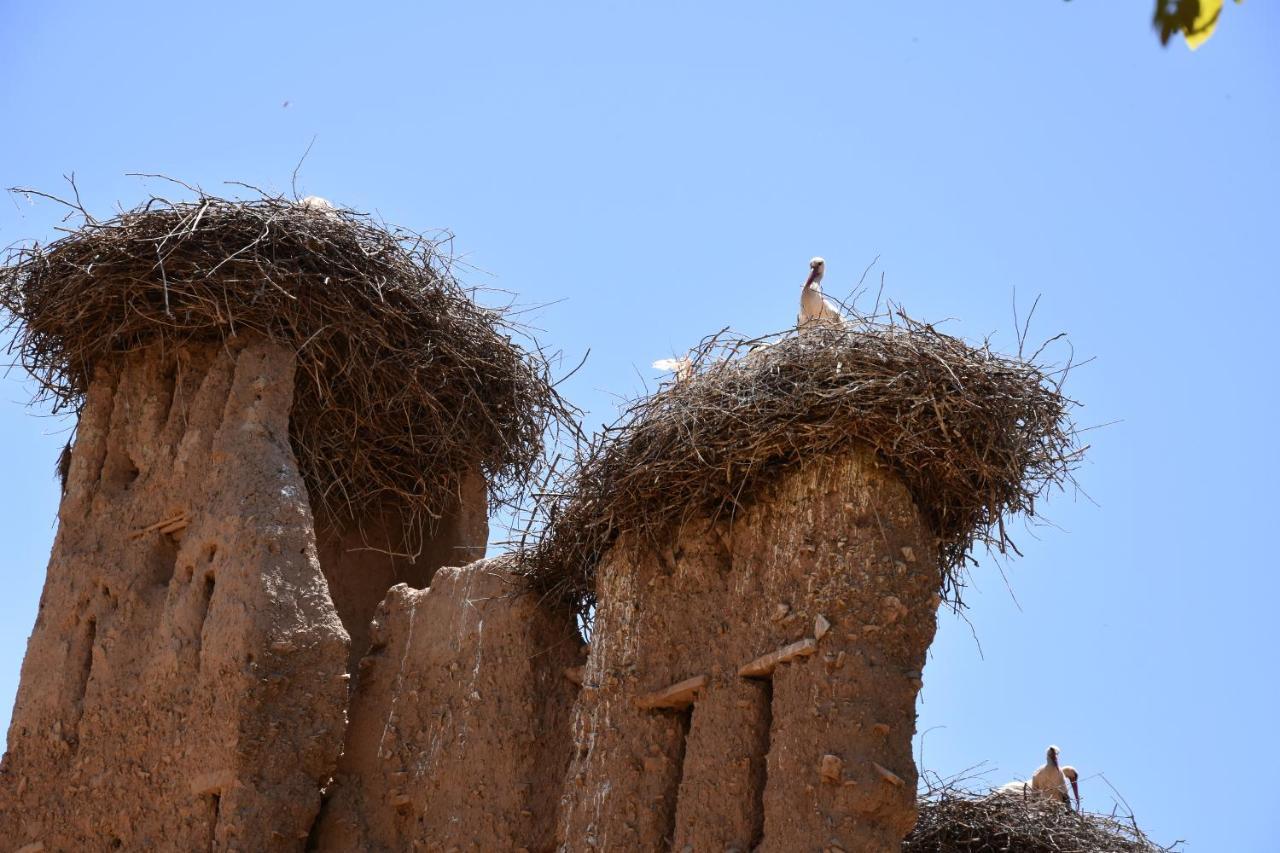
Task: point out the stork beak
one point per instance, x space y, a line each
813 274
1075 789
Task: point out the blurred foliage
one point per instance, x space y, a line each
1195 19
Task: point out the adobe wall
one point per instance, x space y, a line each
364 561
459 733
185 684
689 736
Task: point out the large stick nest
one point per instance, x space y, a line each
957 821
403 384
975 436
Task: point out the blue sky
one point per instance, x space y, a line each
659 171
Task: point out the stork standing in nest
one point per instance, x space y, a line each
816 309
1049 780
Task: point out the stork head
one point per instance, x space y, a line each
1051 756
1073 777
817 266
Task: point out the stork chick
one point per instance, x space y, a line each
815 309
682 367
316 203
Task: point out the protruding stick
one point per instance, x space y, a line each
679 695
762 666
888 775
167 525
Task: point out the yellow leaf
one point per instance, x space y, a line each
1198 33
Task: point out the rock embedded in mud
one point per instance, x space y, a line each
831 768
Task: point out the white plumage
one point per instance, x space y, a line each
682 367
1049 781
816 309
315 202
1017 786
1048 777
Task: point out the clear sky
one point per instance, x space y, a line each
658 171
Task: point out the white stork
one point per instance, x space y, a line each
1049 780
681 367
814 307
1074 778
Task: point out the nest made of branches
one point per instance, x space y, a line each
976 436
953 820
403 382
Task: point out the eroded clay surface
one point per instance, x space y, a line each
184 686
792 761
459 734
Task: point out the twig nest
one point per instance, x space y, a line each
975 436
951 820
404 384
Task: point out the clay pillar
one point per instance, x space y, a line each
184 687
364 560
804 628
459 735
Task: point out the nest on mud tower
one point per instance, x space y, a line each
974 435
956 821
403 381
